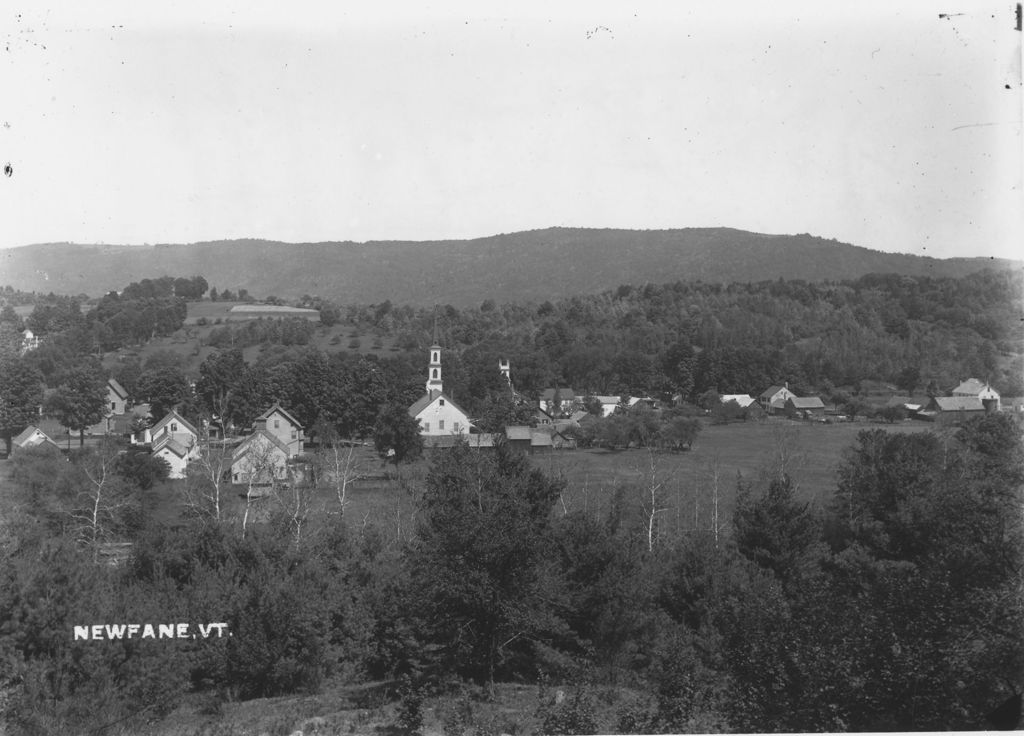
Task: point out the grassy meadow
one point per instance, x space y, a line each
385 497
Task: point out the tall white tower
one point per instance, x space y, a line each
434 369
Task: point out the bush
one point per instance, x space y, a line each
410 709
566 716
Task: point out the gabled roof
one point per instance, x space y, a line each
540 439
169 443
117 388
24 434
608 399
28 433
971 386
807 402
278 408
517 432
576 416
744 400
173 416
243 448
771 391
427 399
959 403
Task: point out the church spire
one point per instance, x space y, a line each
434 369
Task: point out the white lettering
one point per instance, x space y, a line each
148 632
220 629
116 631
81 632
133 629
166 631
182 631
204 631
97 631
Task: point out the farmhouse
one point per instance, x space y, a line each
117 398
172 425
282 425
176 454
260 459
32 436
117 406
435 411
773 399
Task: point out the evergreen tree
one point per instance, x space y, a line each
482 536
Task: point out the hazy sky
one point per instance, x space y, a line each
895 129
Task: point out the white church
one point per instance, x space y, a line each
437 414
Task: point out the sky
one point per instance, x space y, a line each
894 128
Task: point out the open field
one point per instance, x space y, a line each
810 452
241 311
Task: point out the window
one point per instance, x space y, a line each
113 406
457 428
435 373
426 426
294 434
441 402
174 426
440 424
277 424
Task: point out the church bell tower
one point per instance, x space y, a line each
434 369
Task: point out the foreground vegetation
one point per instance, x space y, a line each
895 604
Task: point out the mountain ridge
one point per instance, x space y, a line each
530 265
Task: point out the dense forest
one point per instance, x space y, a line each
894 606
918 334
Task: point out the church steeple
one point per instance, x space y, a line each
434 369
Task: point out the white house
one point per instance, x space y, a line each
261 458
117 406
282 425
176 454
174 426
117 398
32 436
435 411
773 399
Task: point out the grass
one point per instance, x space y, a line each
371 709
387 500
